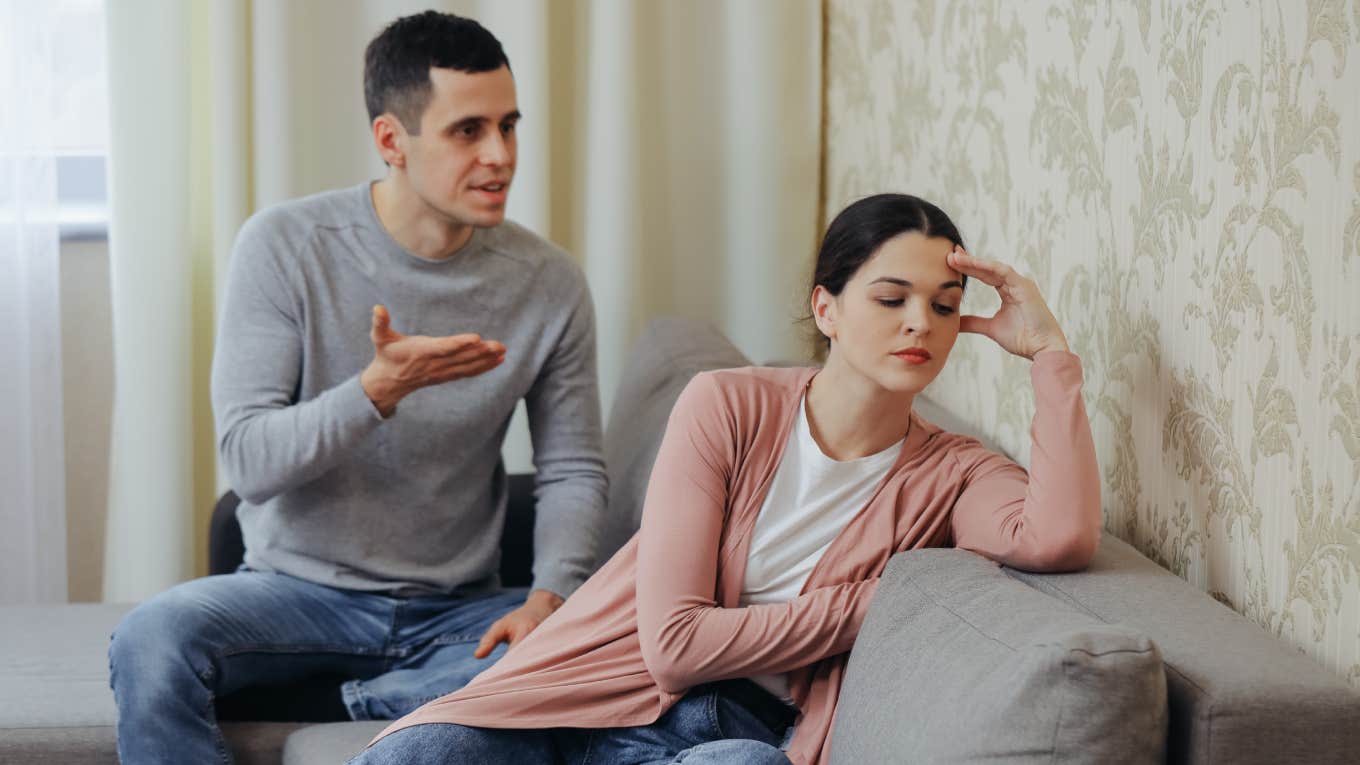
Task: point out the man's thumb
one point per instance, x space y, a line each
382 323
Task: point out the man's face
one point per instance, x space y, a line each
463 159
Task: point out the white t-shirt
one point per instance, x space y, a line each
811 499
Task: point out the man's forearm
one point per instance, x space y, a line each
269 450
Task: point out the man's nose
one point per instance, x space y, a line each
496 150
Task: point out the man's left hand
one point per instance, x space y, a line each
514 626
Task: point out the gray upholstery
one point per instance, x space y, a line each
1236 694
665 357
958 663
55 702
330 742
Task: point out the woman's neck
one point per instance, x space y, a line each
851 417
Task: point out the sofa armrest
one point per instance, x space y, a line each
1236 693
957 662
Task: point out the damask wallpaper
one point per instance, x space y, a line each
1182 178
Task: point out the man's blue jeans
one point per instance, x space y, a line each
706 727
174 654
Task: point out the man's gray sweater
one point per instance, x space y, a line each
415 503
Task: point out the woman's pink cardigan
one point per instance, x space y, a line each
662 615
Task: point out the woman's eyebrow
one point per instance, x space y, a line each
905 283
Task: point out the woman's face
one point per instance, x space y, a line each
898 316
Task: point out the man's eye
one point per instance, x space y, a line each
508 128
468 131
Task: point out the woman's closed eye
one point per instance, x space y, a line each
940 308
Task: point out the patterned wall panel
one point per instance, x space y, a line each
1182 178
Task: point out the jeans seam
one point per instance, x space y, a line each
714 718
355 700
210 714
274 648
387 648
589 748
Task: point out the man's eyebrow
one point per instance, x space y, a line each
478 119
905 283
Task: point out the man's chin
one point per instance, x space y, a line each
489 219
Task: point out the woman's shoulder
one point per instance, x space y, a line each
965 451
752 391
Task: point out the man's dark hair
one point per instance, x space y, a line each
397 62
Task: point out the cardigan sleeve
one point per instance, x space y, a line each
686 638
1048 519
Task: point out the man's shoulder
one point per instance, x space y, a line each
519 243
298 218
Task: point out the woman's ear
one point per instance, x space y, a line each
824 311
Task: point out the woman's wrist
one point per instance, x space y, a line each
1053 347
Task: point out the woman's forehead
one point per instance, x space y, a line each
908 254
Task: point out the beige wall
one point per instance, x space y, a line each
1181 179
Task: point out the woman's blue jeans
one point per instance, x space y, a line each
174 654
706 727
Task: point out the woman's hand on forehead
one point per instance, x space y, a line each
1023 324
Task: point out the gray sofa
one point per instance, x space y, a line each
959 661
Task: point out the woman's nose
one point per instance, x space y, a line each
916 322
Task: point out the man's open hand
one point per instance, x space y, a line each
406 363
515 625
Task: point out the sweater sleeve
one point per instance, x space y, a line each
268 441
571 487
1050 518
687 639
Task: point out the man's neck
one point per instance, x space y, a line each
411 222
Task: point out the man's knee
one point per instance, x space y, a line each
157 636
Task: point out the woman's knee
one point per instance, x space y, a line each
450 742
746 751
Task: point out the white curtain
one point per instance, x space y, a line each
32 455
672 147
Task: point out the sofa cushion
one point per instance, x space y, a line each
330 743
957 662
669 353
55 701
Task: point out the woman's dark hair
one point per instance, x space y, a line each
397 62
860 229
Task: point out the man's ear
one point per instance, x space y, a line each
824 311
389 136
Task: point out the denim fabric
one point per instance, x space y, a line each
172 655
706 727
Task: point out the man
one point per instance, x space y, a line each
374 343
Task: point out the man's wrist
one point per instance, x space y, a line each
384 395
547 598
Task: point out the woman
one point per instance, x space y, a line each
776 500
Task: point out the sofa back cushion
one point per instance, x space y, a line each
958 662
669 353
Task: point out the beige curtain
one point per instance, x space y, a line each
672 147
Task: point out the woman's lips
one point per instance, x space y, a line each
913 357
